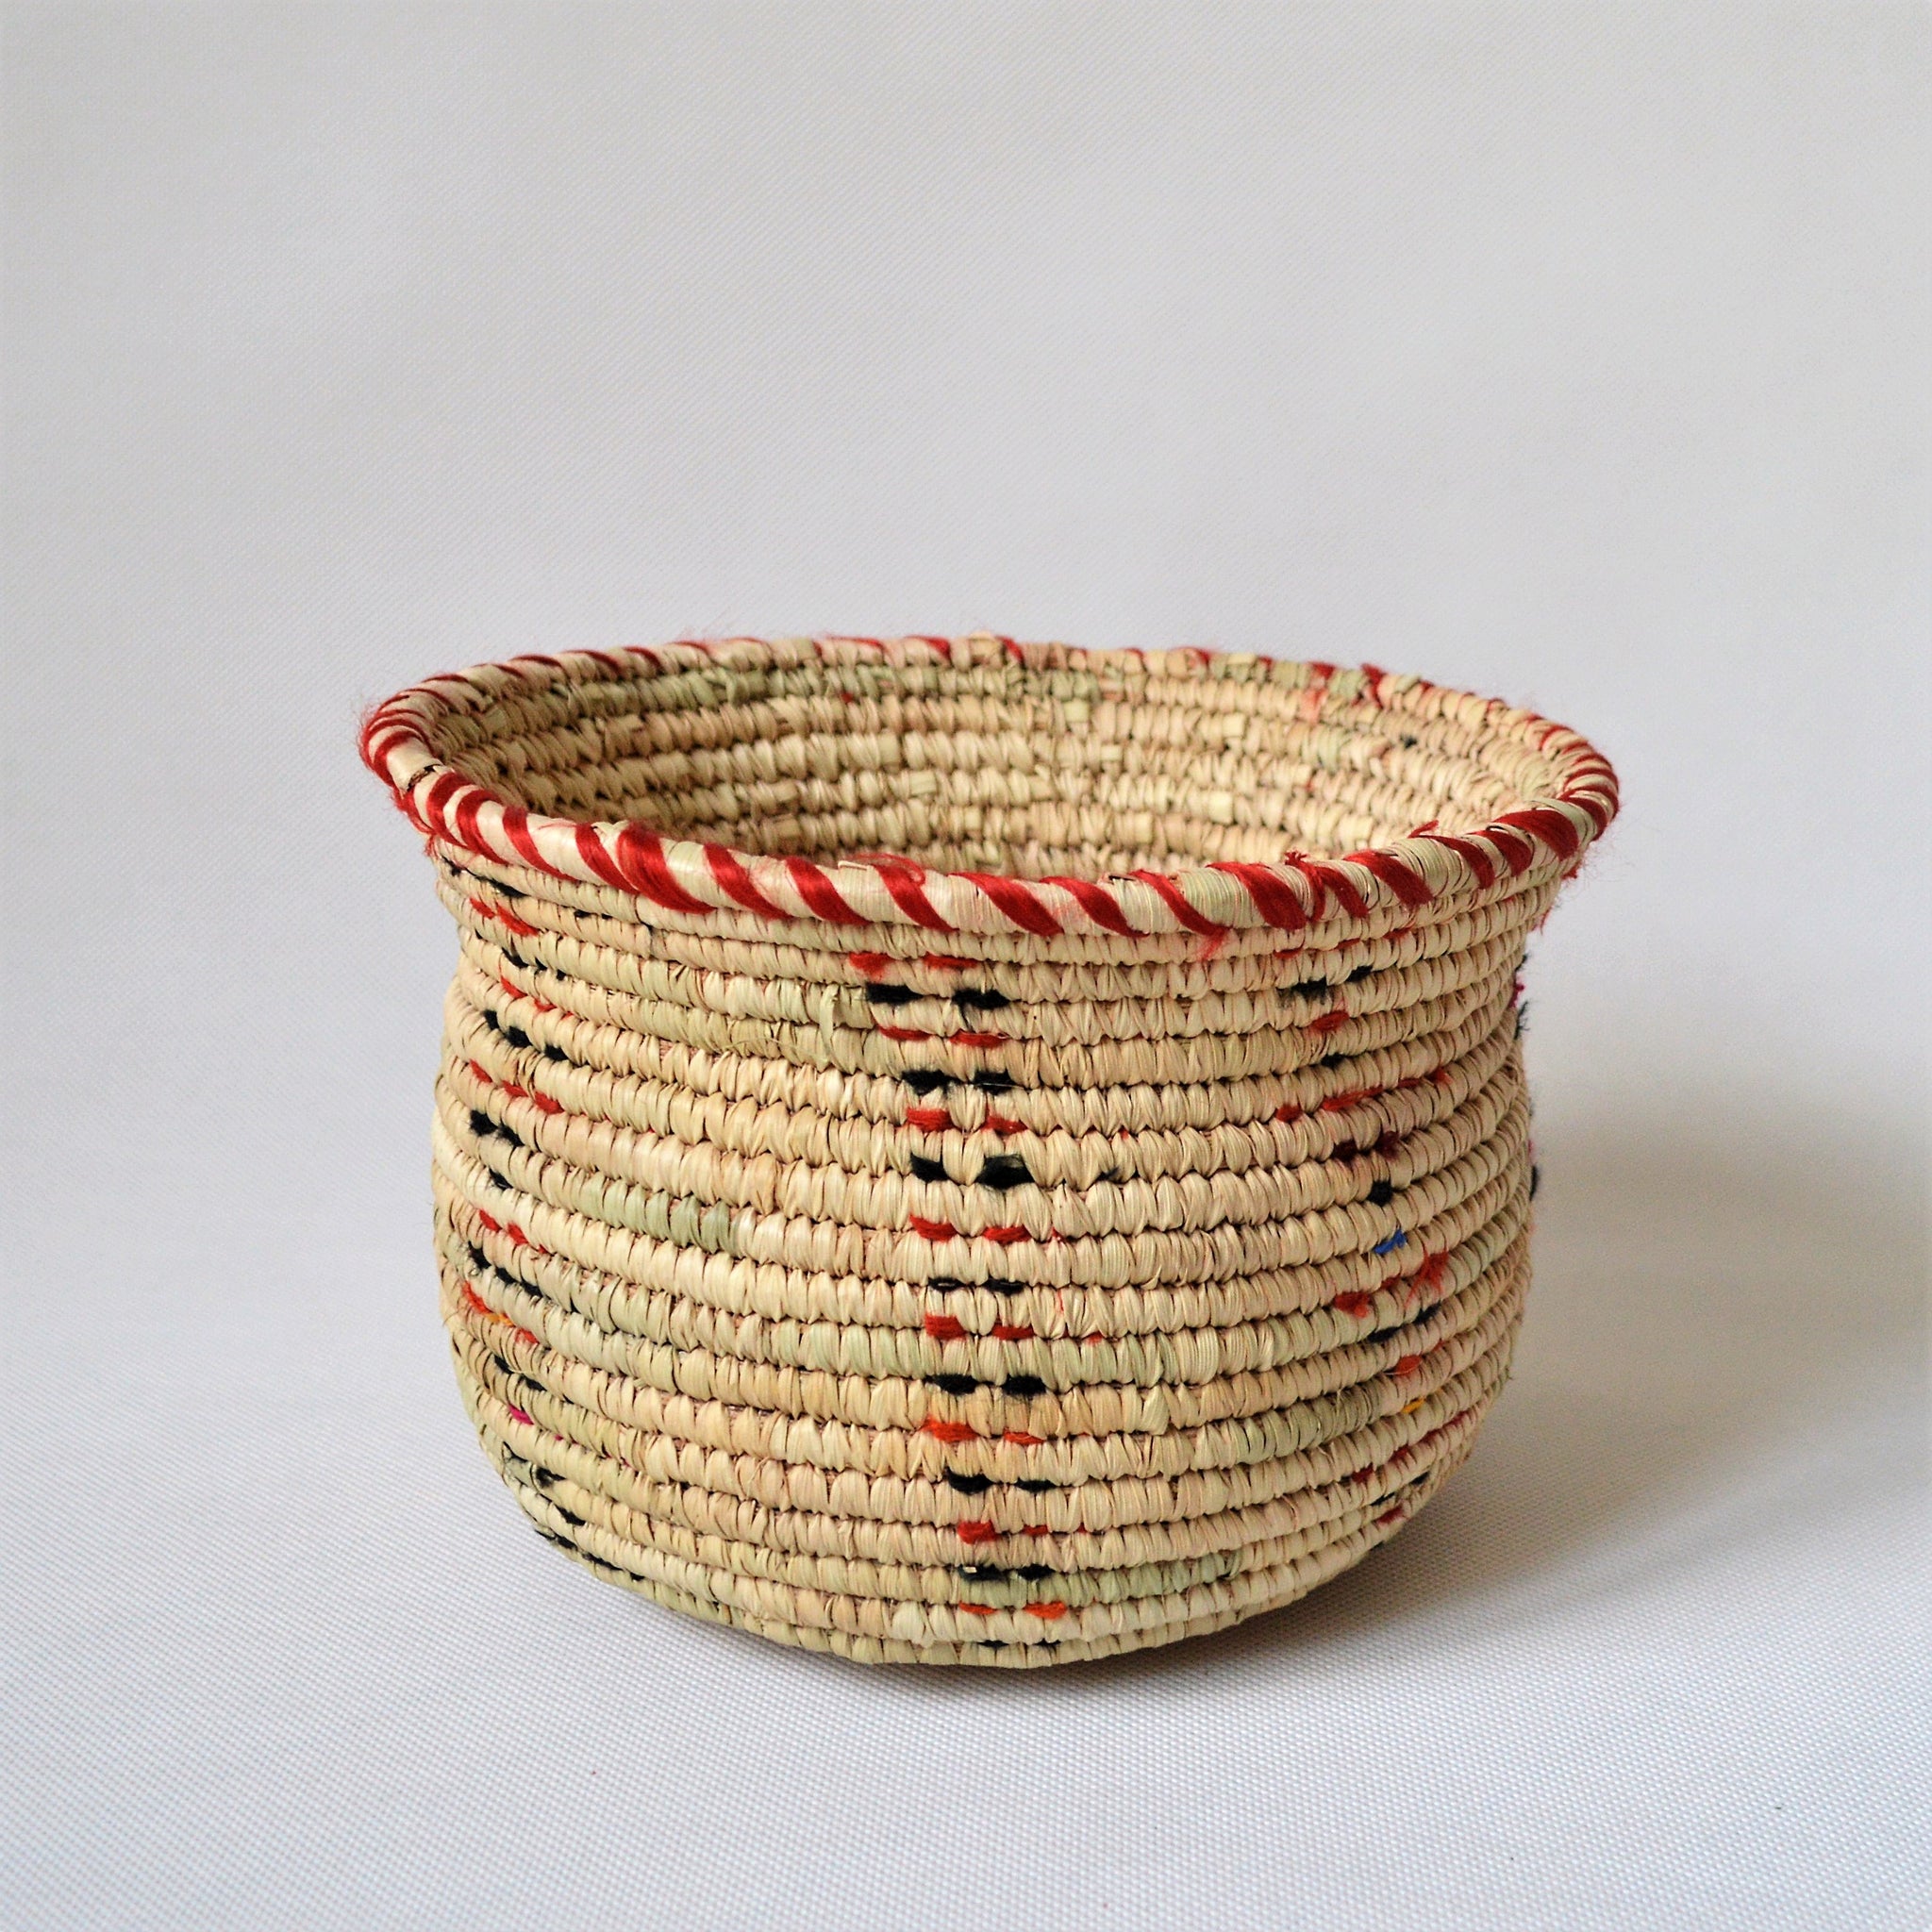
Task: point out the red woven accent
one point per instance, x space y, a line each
1397 873
931 1230
904 883
1599 808
1097 903
641 854
1517 847
1471 854
1325 878
435 796
468 832
382 731
591 850
478 1306
1274 898
377 745
819 893
521 928
1177 904
1018 901
734 879
1340 1103
516 828
1549 824
517 992
932 1119
978 1532
944 1327
950 1432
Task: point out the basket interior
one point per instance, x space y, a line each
1024 770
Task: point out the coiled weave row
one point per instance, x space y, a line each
1088 1213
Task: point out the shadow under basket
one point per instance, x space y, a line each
949 1151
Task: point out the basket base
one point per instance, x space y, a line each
1022 1642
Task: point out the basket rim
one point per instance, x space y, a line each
691 879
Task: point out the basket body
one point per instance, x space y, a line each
1095 1212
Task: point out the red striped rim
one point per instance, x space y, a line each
686 879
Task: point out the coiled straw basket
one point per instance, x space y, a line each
957 1151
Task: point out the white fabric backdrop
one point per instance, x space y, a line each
1577 354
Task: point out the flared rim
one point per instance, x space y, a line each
687 879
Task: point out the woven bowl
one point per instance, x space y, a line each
949 1151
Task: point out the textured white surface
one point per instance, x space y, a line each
1573 355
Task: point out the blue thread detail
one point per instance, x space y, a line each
1397 1239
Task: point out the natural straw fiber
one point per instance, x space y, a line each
957 1151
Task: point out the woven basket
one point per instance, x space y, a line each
939 1156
